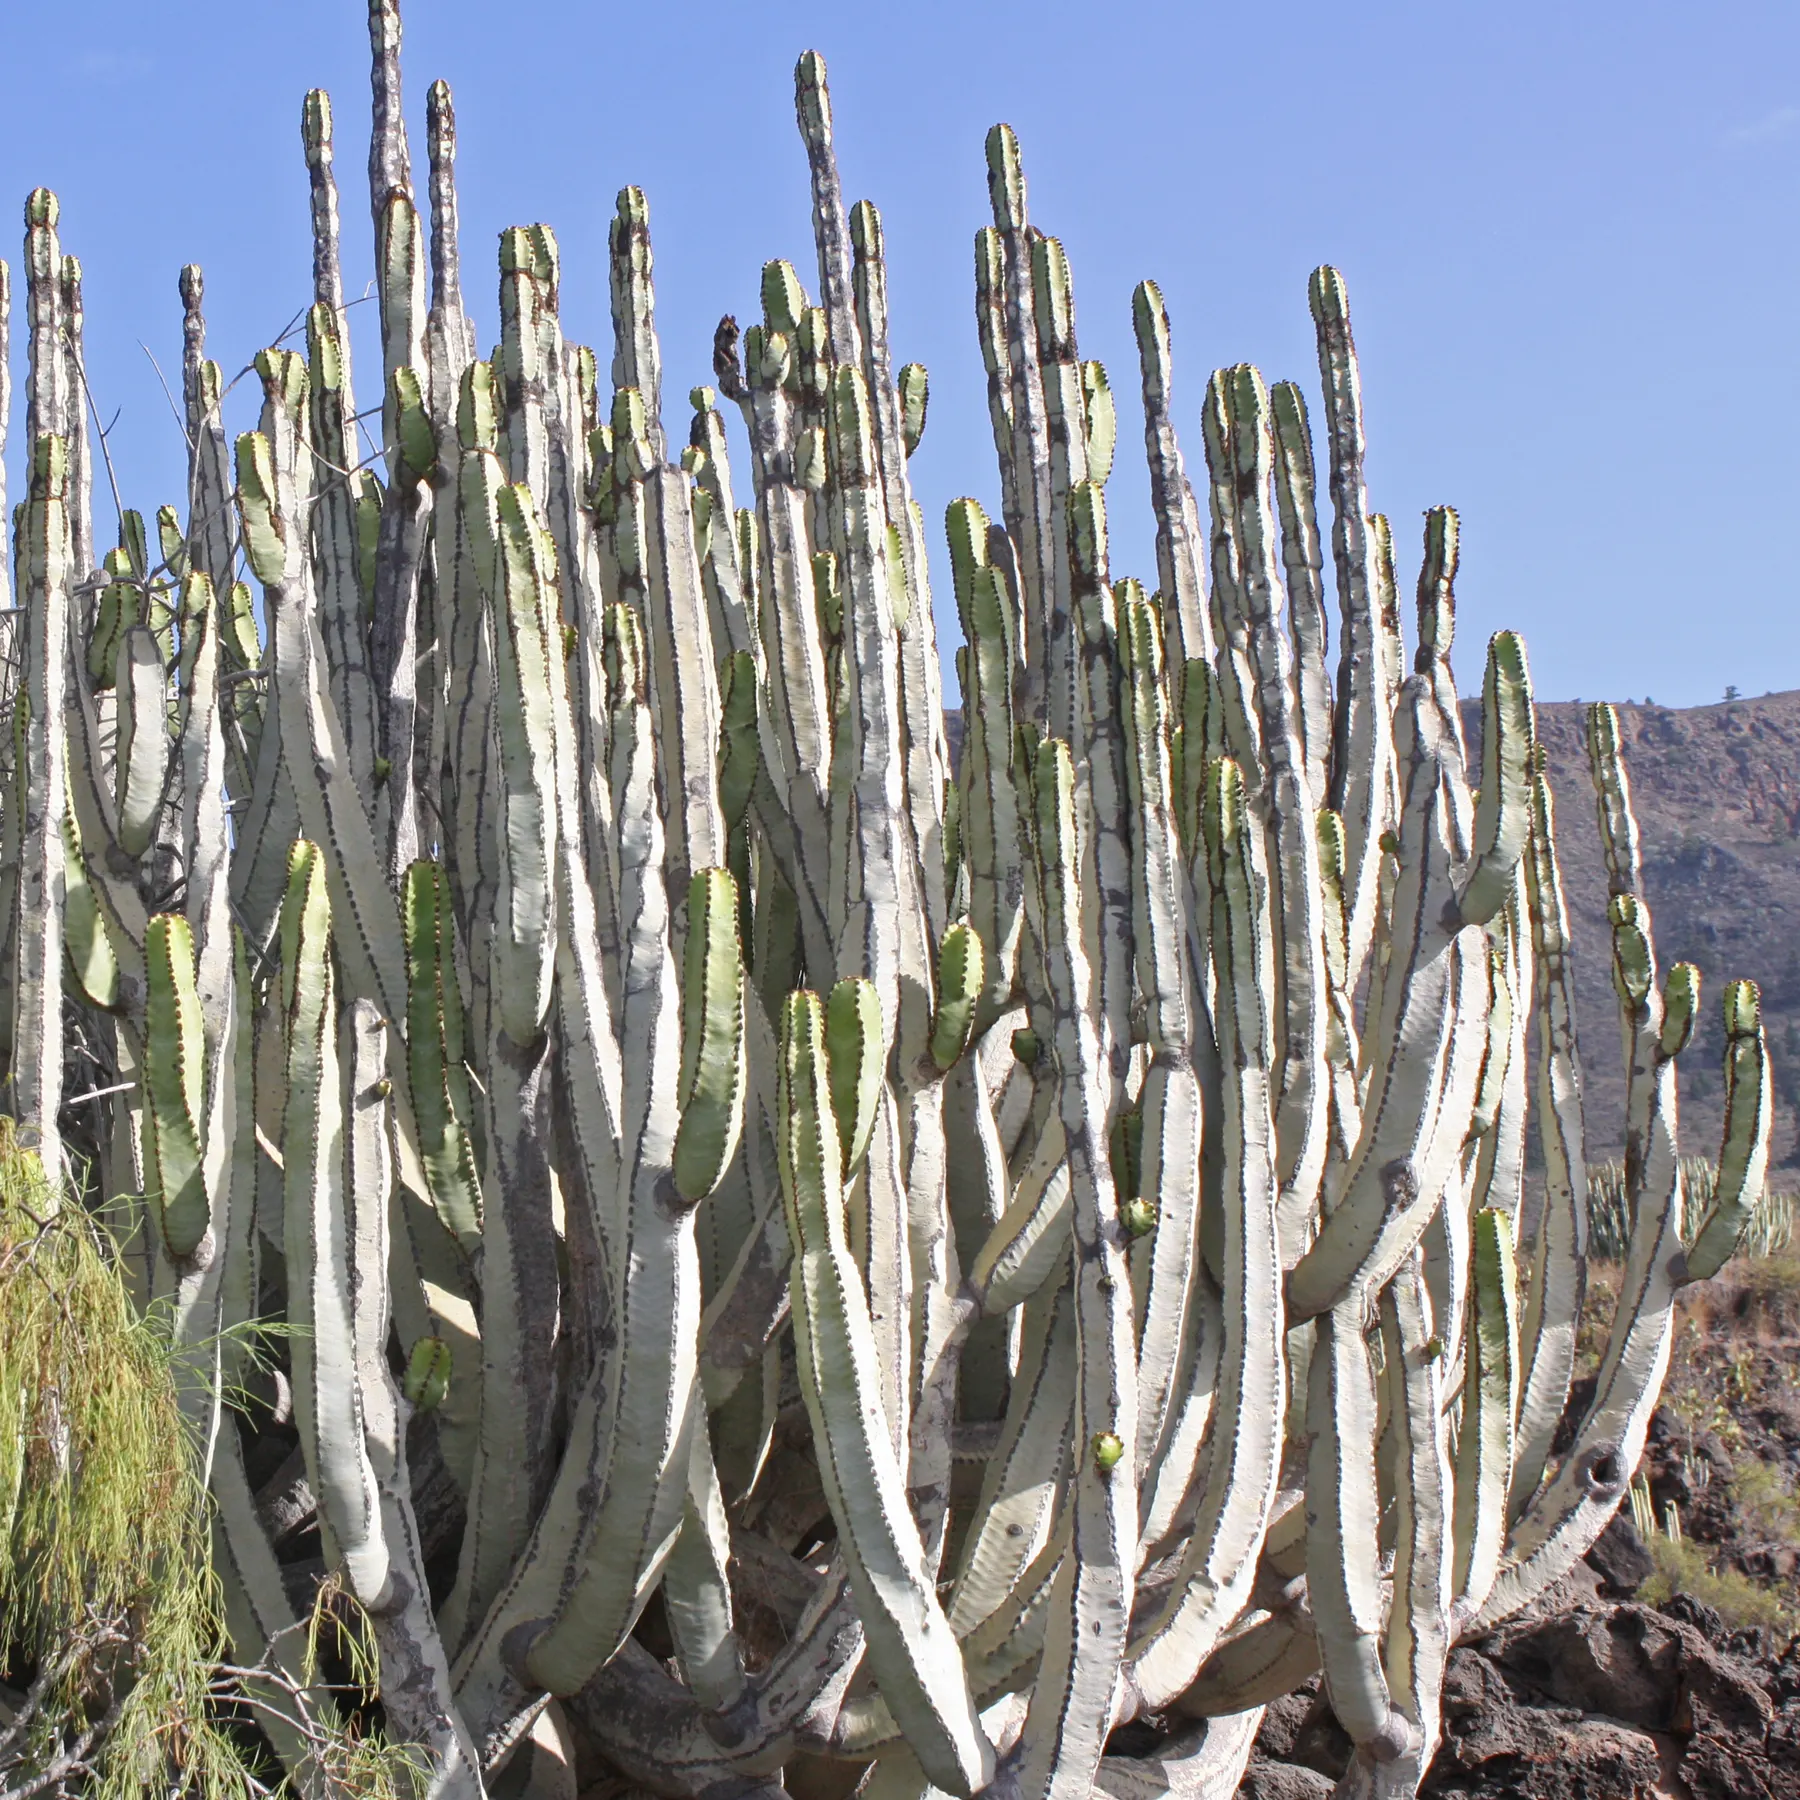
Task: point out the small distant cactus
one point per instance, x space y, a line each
545 949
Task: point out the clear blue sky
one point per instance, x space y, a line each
1569 233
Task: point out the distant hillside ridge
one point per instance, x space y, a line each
1717 793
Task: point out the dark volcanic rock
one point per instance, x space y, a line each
1265 1780
1598 1702
1621 1559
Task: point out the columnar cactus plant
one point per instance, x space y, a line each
800 1248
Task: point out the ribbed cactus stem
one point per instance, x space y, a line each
1360 753
390 167
1037 546
573 946
450 337
37 986
637 360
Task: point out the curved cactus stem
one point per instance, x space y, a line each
911 1648
327 1395
1053 302
400 553
335 546
201 753
883 931
435 1049
259 1616
331 811
1027 1244
88 937
1218 1563
712 1038
1362 753
211 1291
697 1586
1169 1499
992 843
1259 1663
939 1319
37 982
1341 1034
1490 1390
524 944
1024 1476
1503 1109
1202 1763
730 579
175 1080
1417 1642
637 360
1744 1147
684 697
1252 618
143 740
1031 529
1571 1511
1179 566
1559 1257
1425 1044
1170 1099
1101 785
513 1467
748 1306
853 1051
961 977
1612 797
449 337
1342 1536
977 1187
415 1672
1503 813
589 1569
1072 1700
921 680
1635 979
1302 563
1002 1653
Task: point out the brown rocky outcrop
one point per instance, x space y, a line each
1596 1702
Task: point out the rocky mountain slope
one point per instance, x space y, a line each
1717 792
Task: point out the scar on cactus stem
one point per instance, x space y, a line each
725 1173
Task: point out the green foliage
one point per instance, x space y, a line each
1773 1229
110 1613
1680 1565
